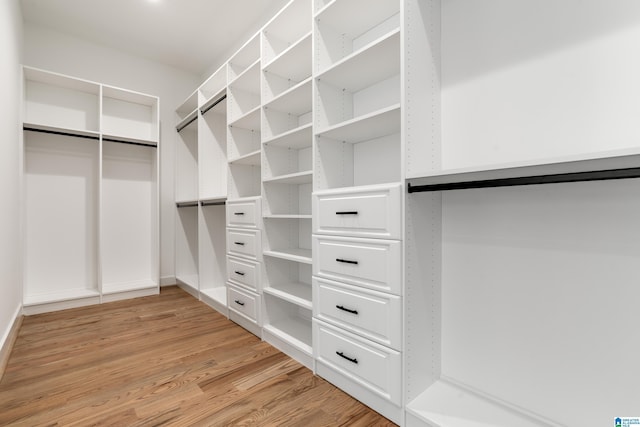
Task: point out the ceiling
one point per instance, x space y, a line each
188 34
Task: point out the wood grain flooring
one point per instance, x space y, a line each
161 360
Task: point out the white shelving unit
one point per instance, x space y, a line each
516 273
201 191
90 192
287 180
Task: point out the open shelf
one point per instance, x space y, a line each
304 177
300 137
373 125
213 88
248 121
294 292
445 404
291 254
60 101
286 28
295 100
289 323
347 15
130 115
377 61
216 104
247 55
249 80
294 63
252 158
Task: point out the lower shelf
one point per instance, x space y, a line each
446 404
295 293
69 294
190 280
113 288
218 294
295 331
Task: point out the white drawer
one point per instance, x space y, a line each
243 213
242 272
244 243
371 263
375 367
374 315
243 302
373 211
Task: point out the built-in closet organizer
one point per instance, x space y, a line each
244 219
201 192
287 180
357 199
90 185
521 298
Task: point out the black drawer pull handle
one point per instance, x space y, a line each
238 213
346 261
340 307
347 213
341 354
239 302
239 243
239 273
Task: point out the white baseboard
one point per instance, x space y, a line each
168 281
9 338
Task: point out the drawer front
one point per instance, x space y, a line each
243 302
373 213
373 366
243 214
373 264
243 243
374 315
243 272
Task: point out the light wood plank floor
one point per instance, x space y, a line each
161 360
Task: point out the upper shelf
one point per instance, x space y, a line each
374 62
363 128
347 15
293 63
615 164
296 100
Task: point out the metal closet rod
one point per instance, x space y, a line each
179 128
222 98
141 144
186 204
218 203
601 175
55 132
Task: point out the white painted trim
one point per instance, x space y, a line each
9 338
168 281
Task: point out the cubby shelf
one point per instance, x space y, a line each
304 177
365 67
296 331
296 100
349 17
294 63
252 158
250 120
249 80
291 254
294 292
300 137
368 126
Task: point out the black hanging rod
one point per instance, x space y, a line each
55 132
120 141
179 128
186 204
222 98
212 203
601 175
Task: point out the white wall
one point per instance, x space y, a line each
10 277
65 54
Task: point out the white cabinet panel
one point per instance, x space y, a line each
244 243
243 302
373 264
371 212
371 365
243 272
